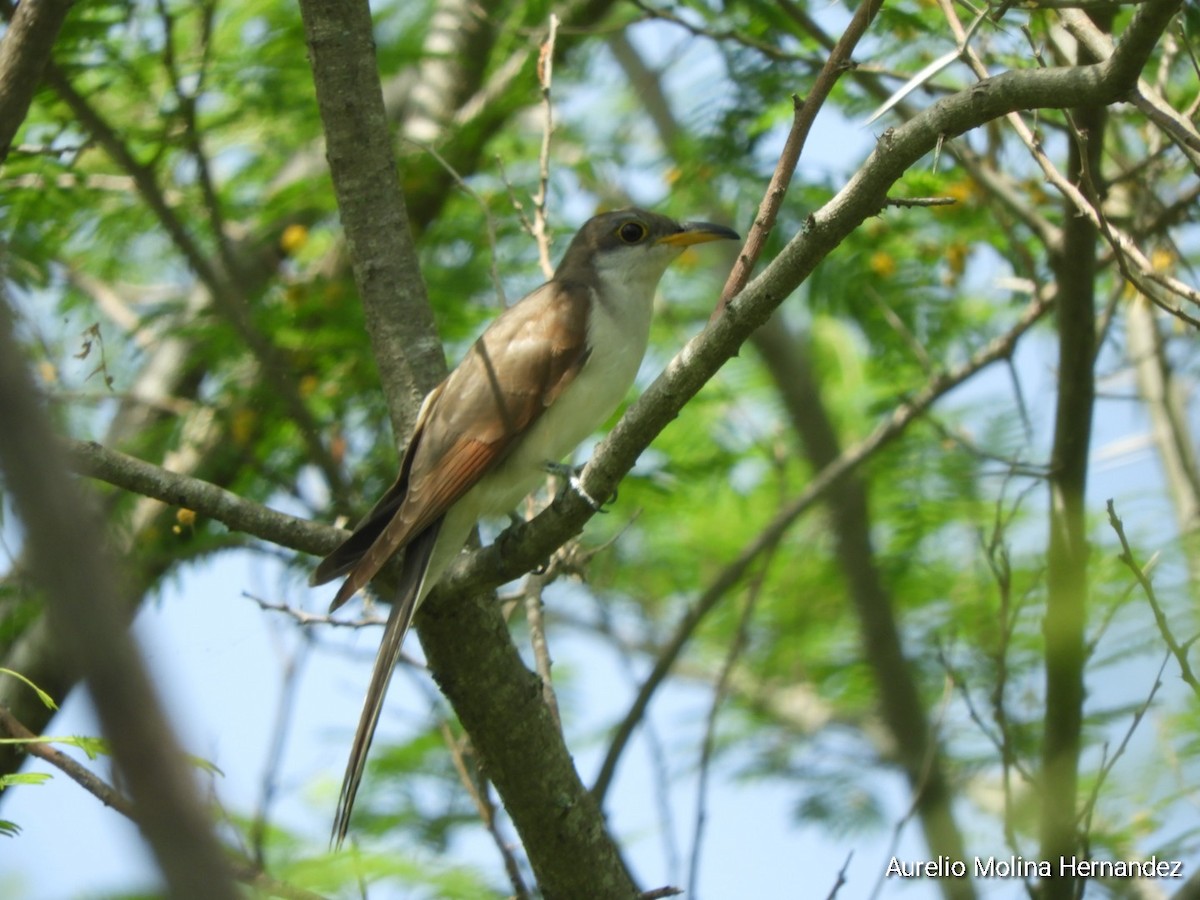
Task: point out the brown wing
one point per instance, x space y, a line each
365 533
470 422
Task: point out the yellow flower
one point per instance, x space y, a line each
1162 260
184 518
293 238
882 264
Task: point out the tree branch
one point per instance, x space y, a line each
239 514
863 196
243 870
847 461
81 775
874 606
562 829
24 52
1177 650
382 253
804 115
69 558
1067 553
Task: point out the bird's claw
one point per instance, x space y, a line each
570 478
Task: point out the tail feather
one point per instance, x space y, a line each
347 554
343 560
396 535
408 596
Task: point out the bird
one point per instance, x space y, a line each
545 374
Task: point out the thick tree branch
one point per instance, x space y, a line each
562 829
69 559
382 253
24 52
1067 553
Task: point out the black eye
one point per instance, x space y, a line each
632 232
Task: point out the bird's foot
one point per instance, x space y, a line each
570 479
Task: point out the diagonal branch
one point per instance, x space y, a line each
92 459
84 603
804 115
24 53
1174 647
864 195
243 870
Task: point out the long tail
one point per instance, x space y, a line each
408 596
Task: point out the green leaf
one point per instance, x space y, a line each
24 778
46 699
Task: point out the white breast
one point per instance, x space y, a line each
618 332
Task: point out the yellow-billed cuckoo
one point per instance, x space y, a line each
542 377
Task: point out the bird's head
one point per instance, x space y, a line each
633 247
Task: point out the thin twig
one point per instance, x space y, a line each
660 893
477 788
1142 273
841 877
222 286
655 751
720 692
1089 5
1106 767
804 114
721 36
284 711
301 617
193 140
243 870
488 219
81 775
535 584
919 787
918 202
1179 651
963 38
897 325
545 79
